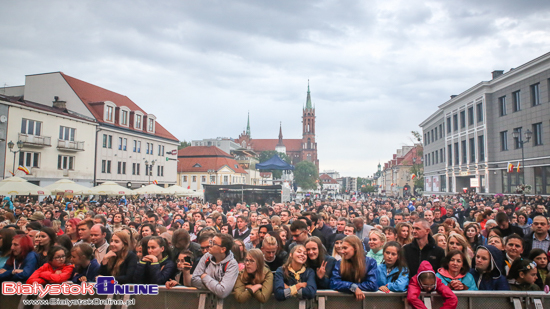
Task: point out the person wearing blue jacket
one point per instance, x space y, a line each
23 261
454 272
86 267
155 267
320 262
487 271
355 273
393 274
294 278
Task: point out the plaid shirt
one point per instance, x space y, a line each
541 244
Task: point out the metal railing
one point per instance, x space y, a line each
35 140
70 145
182 297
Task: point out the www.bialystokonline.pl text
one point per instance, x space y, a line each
78 302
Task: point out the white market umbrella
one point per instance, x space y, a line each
179 190
68 187
19 186
111 188
152 189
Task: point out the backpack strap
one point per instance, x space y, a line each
207 262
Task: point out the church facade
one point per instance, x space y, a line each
302 149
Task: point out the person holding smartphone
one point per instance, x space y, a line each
184 262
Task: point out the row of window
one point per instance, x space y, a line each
510 181
453 124
109 116
32 159
213 179
33 127
460 153
433 135
518 141
136 168
534 91
123 143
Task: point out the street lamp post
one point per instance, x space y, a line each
528 134
149 169
10 146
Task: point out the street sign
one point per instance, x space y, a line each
173 152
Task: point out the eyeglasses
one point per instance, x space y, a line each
206 248
428 286
59 257
297 235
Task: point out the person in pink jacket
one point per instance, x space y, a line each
56 270
426 281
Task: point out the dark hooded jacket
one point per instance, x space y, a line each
495 280
450 299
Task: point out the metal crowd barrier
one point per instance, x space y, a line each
181 297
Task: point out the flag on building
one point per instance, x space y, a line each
510 167
24 169
155 182
413 176
519 165
12 173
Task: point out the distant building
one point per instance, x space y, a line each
396 176
330 185
348 184
224 143
332 173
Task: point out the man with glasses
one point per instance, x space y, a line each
298 234
217 270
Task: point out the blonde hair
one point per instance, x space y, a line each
380 235
258 276
400 226
463 242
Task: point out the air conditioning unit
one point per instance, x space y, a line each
65 172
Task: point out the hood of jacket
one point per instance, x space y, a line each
425 267
497 259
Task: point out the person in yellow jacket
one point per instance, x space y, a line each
255 279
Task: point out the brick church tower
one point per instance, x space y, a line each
309 146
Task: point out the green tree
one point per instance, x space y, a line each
183 145
417 136
306 175
266 155
418 169
368 189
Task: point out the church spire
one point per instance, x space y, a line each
308 101
248 125
280 134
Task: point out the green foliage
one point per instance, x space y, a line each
184 144
266 155
306 175
368 189
418 170
417 136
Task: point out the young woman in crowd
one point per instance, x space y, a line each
23 261
239 255
86 267
523 223
320 262
56 270
355 273
337 250
377 240
71 229
458 242
522 275
155 267
454 272
441 240
473 236
294 278
256 280
147 230
120 262
46 239
488 269
497 242
184 263
118 222
541 258
393 274
6 236
404 233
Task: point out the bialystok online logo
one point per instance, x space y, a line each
104 286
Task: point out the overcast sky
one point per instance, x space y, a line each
376 68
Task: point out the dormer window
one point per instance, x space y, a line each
197 165
124 118
138 122
109 113
151 125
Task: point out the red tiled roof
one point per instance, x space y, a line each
270 144
328 179
89 94
204 158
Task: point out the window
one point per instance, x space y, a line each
160 150
184 178
516 101
151 125
212 179
203 178
427 160
464 154
65 162
517 140
435 133
450 154
442 183
135 168
139 147
120 144
504 140
135 145
436 156
31 127
124 144
109 115
463 119
160 172
535 98
124 118
457 158
66 134
195 178
433 161
29 159
152 147
106 166
428 139
147 152
455 122
472 150
481 148
432 136
537 134
502 106
510 181
109 141
441 131
121 169
441 155
470 117
104 140
479 112
542 180
138 122
448 124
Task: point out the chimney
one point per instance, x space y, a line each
497 73
59 104
453 96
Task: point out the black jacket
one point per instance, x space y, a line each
126 270
510 230
155 273
431 253
279 260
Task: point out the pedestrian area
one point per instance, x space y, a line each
188 298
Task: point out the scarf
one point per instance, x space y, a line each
296 274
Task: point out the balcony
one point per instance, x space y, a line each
70 145
35 140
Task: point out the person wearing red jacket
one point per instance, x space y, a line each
56 270
426 281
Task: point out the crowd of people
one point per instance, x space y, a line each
372 243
